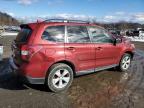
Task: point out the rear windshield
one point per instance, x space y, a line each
23 35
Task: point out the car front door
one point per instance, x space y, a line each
107 54
79 49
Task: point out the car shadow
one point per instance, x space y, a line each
39 87
9 80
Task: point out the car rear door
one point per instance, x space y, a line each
79 49
53 43
107 54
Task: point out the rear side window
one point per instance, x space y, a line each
23 35
77 34
54 34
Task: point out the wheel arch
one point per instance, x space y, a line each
65 62
126 52
69 64
129 52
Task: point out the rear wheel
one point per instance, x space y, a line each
125 62
60 77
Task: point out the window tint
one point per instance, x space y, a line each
99 35
54 34
23 35
77 34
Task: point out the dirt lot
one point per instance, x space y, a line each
139 45
105 89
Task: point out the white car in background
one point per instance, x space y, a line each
2 30
141 33
1 52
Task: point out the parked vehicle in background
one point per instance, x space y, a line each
115 32
13 28
129 33
141 33
1 52
2 30
135 33
132 33
140 29
52 52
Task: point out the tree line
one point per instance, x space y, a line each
122 25
6 19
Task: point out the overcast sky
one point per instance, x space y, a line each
102 10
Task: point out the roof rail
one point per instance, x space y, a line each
66 20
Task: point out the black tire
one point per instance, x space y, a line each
120 67
52 73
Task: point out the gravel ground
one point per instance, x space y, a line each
105 89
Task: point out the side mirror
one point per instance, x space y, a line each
117 40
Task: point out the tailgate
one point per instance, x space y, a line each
21 39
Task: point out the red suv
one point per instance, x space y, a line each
52 52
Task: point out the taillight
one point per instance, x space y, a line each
25 53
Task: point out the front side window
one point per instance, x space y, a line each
54 34
99 35
77 34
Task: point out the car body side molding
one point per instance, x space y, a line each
78 73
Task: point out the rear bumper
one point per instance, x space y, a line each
25 78
12 64
30 80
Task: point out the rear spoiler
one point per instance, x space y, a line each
30 25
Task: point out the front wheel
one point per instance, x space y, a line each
60 77
125 62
